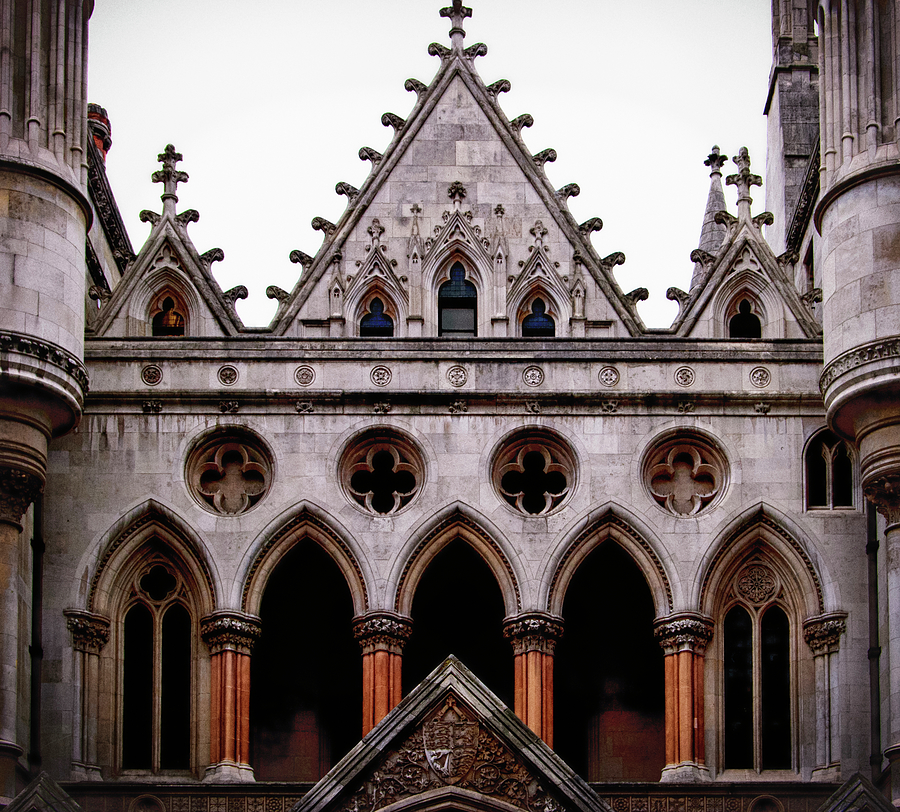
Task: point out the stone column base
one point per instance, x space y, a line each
229 772
688 772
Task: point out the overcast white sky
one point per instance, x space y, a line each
270 101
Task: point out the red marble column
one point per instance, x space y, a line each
230 637
381 635
684 638
533 637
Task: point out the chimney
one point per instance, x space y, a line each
101 130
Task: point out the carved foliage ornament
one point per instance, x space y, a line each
533 633
231 632
382 633
684 633
823 634
18 490
229 473
451 749
685 475
90 633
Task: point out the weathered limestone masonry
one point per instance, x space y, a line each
44 214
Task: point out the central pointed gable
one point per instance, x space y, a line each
457 132
451 744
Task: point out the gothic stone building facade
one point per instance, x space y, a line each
670 555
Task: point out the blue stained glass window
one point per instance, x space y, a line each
376 322
538 323
457 305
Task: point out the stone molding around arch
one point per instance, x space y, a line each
283 539
435 539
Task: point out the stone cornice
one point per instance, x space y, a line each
822 634
382 631
230 631
47 352
90 632
533 632
863 355
18 490
683 632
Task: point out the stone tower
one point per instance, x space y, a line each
44 216
858 216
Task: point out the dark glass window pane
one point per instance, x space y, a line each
538 323
776 690
816 476
175 721
457 305
738 689
137 691
376 322
456 320
841 477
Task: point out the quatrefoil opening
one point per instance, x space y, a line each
534 473
381 472
685 476
229 473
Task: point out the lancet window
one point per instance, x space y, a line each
458 305
538 323
376 322
168 317
745 323
829 473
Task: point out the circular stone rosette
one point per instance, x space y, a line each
685 473
151 374
684 376
608 376
533 376
228 375
381 376
760 377
457 375
304 375
229 471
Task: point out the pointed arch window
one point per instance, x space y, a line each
168 320
757 680
829 473
376 322
745 323
458 305
538 323
157 655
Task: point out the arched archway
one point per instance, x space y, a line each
305 703
609 720
458 609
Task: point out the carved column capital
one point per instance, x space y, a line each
230 631
884 492
684 632
533 632
18 490
90 632
823 633
382 631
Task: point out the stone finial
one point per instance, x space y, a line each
744 180
415 210
169 176
457 14
457 193
715 161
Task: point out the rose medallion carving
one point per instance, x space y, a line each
684 376
381 376
228 375
151 374
533 376
304 375
457 375
760 377
757 583
608 376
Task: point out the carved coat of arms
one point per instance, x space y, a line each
451 743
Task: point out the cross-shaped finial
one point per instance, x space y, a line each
169 176
416 210
457 14
715 161
744 179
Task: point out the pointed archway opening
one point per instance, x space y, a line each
458 609
306 673
609 697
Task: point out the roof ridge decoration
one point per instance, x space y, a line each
168 235
743 239
458 61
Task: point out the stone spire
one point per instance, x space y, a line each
457 14
712 234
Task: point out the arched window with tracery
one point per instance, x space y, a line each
757 652
167 316
376 322
745 322
538 323
829 473
458 305
157 673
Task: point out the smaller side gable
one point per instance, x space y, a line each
43 795
857 794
